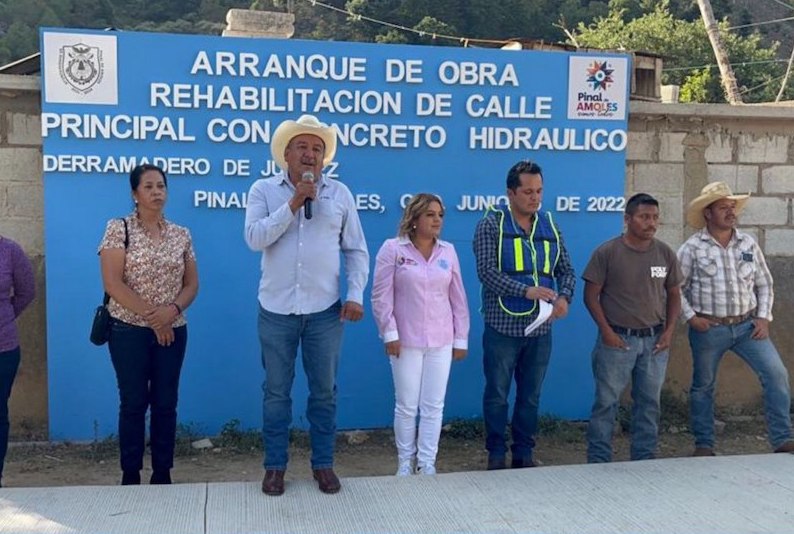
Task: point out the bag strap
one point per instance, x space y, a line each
106 298
126 234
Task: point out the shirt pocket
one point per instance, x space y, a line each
706 265
329 213
746 269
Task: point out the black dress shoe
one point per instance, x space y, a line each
520 463
496 462
273 483
327 480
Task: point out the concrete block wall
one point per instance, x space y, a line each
22 219
675 150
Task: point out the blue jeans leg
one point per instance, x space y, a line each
9 363
320 337
533 361
504 357
163 396
646 391
279 336
612 369
707 351
500 355
762 356
146 374
320 347
129 347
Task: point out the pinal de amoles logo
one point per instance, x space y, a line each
81 67
594 100
597 87
600 75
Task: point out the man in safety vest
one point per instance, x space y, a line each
521 259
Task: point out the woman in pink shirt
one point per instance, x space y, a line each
420 308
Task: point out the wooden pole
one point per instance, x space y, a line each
726 71
786 77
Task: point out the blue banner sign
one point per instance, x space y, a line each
450 121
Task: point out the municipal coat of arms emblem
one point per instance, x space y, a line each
81 66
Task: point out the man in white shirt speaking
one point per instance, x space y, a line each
303 223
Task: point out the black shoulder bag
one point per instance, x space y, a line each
100 328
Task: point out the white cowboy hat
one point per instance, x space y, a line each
306 124
708 195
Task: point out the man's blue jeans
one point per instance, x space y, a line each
612 370
504 357
760 354
320 338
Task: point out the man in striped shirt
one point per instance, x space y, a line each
727 299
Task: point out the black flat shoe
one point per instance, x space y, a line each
130 478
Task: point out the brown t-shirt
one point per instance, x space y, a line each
635 282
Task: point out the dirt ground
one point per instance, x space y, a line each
236 455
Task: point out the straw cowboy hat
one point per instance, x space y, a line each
306 124
708 195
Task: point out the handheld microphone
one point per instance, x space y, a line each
307 176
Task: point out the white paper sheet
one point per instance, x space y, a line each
543 315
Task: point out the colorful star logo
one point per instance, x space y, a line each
600 75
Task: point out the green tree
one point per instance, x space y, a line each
484 19
215 10
680 9
686 51
20 39
428 27
92 14
696 88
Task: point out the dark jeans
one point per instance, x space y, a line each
9 363
526 359
147 376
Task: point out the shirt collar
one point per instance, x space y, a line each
736 237
283 177
405 240
162 223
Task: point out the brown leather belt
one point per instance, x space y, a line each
727 321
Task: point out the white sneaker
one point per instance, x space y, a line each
428 469
405 468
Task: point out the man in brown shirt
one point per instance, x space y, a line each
632 292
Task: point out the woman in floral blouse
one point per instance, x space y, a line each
151 282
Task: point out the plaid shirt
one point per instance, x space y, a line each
496 283
724 281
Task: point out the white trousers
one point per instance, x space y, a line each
420 385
